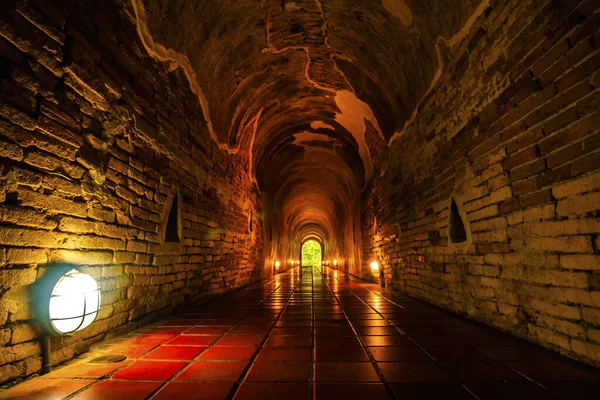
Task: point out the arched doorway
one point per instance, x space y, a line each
311 254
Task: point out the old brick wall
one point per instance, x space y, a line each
96 138
510 132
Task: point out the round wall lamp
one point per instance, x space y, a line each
69 302
277 265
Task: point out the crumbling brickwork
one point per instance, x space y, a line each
96 139
510 132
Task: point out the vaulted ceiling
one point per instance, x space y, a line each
313 91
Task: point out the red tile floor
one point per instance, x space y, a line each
312 335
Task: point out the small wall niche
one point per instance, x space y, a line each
173 225
457 231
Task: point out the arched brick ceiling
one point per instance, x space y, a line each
312 90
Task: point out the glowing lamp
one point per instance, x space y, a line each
277 264
70 303
375 269
334 262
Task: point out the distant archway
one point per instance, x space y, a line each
311 253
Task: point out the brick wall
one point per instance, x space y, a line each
510 132
96 138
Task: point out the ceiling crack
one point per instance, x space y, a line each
177 60
332 52
455 39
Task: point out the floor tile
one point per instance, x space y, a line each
479 371
150 370
509 390
253 391
174 353
132 351
192 340
162 330
288 341
228 354
352 391
249 330
281 372
341 354
436 341
212 371
412 372
401 353
302 331
270 354
194 391
456 353
430 390
345 372
553 370
43 389
376 331
118 390
515 353
334 331
574 390
86 370
337 341
206 330
396 340
240 340
180 322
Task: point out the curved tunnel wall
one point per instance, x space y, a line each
510 132
96 139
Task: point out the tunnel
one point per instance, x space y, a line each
383 199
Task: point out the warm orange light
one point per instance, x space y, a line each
375 269
277 264
334 262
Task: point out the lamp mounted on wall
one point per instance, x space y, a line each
377 272
375 269
67 301
277 265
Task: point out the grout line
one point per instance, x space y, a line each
362 343
109 375
210 345
464 343
410 338
238 383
